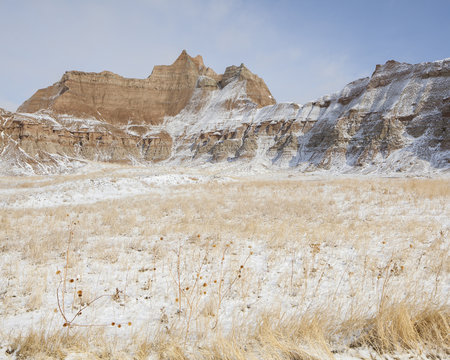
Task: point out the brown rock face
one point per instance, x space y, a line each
119 101
106 117
256 88
40 143
397 120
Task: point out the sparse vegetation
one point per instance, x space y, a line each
299 268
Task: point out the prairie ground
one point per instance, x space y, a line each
135 263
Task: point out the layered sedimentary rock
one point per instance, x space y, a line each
118 100
255 87
43 143
400 108
396 120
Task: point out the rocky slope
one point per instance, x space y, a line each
395 121
118 101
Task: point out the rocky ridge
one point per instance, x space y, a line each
395 121
119 101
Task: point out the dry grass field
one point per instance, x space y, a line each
209 267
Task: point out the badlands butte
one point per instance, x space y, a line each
396 121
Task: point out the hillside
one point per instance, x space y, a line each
185 113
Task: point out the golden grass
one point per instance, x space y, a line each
303 223
45 344
276 210
396 329
402 326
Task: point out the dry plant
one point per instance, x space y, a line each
406 327
201 277
191 293
357 263
43 343
79 302
226 280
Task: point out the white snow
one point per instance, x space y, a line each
334 270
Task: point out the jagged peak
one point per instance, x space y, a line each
177 80
236 68
182 57
389 64
199 61
255 86
234 72
185 57
425 69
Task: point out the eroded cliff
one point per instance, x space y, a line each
396 120
119 101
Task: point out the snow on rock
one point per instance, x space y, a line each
396 121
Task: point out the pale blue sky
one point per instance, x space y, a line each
302 49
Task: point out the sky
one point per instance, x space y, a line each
302 49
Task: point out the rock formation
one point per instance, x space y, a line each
396 120
119 101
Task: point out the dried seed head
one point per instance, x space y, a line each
205 284
71 280
65 324
161 238
55 310
176 299
119 326
113 324
58 272
80 293
129 323
242 266
187 288
198 236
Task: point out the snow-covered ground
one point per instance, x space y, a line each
194 255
